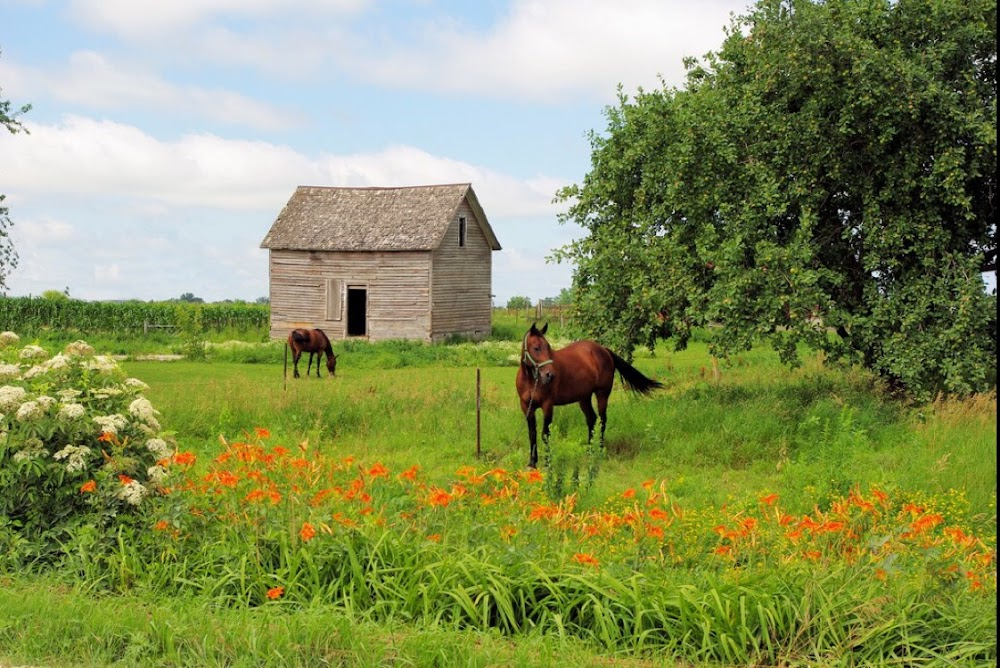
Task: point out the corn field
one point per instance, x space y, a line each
30 315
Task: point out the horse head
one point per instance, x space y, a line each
536 355
331 364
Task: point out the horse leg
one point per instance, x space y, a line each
602 410
309 366
296 354
532 435
547 413
588 412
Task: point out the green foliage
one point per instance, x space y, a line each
831 169
79 451
32 316
519 302
56 295
189 322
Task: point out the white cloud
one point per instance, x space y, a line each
92 80
137 20
107 273
84 158
548 50
43 232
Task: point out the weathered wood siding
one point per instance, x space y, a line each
397 283
461 280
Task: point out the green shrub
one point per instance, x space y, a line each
81 450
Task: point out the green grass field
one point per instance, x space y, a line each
713 446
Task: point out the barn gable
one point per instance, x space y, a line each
379 263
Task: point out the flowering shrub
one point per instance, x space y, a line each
79 446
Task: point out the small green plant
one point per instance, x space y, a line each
189 321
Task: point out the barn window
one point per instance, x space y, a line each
462 230
333 300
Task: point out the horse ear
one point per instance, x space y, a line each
544 329
533 329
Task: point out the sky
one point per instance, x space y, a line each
166 136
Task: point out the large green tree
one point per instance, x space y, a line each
8 254
828 177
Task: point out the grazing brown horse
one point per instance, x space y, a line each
312 341
547 378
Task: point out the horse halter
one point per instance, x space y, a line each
536 367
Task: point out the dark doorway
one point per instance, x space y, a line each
357 308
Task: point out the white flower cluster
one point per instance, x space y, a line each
57 363
76 456
79 349
30 411
9 371
159 448
11 397
33 352
132 492
9 339
135 384
111 424
101 364
32 448
70 412
144 411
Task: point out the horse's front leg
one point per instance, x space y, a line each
547 411
532 435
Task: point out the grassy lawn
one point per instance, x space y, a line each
483 581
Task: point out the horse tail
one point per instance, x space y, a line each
633 378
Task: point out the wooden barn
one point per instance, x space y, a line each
382 263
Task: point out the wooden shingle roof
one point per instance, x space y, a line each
372 219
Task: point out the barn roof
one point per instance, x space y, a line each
372 219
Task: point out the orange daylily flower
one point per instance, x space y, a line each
89 486
185 458
378 470
769 499
275 592
439 497
262 433
307 532
586 559
534 475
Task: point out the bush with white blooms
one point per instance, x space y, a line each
81 449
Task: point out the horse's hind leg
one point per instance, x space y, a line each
295 362
588 412
602 411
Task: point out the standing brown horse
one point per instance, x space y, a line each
547 378
312 341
